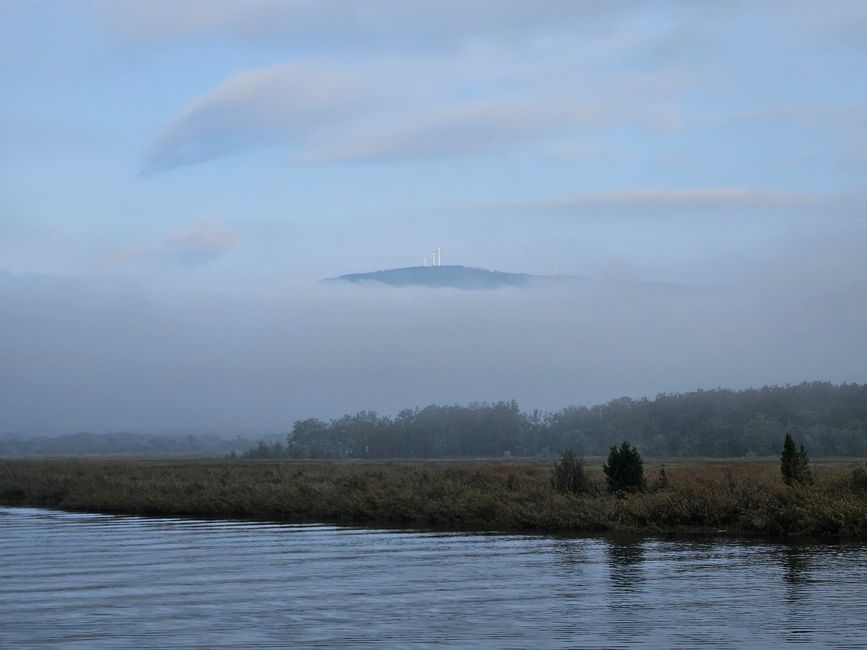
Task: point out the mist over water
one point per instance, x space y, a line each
84 581
80 354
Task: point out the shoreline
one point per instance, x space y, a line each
743 499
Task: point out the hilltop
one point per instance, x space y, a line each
468 277
455 276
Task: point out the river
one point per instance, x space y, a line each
86 581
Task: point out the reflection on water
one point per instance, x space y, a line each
87 581
795 561
626 564
627 603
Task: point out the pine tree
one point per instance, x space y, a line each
624 469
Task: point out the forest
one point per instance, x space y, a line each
830 420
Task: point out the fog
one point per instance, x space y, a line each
83 353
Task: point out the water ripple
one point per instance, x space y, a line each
89 581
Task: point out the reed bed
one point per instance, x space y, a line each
739 497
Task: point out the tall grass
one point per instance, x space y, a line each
737 497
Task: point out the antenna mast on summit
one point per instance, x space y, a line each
436 257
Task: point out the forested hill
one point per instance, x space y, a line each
829 419
467 277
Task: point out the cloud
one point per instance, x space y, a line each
348 23
712 199
373 111
201 242
480 99
279 103
549 76
416 108
414 25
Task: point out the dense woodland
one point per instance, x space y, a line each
830 420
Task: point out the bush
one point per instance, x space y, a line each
624 469
570 475
795 464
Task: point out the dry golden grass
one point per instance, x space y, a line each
746 497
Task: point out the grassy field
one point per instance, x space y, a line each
742 497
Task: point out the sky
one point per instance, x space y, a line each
176 176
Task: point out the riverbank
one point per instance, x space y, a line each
739 497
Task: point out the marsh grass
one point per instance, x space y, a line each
744 497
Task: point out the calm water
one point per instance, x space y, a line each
102 581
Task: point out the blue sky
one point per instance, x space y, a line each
210 156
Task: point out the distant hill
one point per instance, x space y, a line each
459 277
468 277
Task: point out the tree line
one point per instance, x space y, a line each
119 444
830 419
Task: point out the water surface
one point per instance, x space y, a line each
85 581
